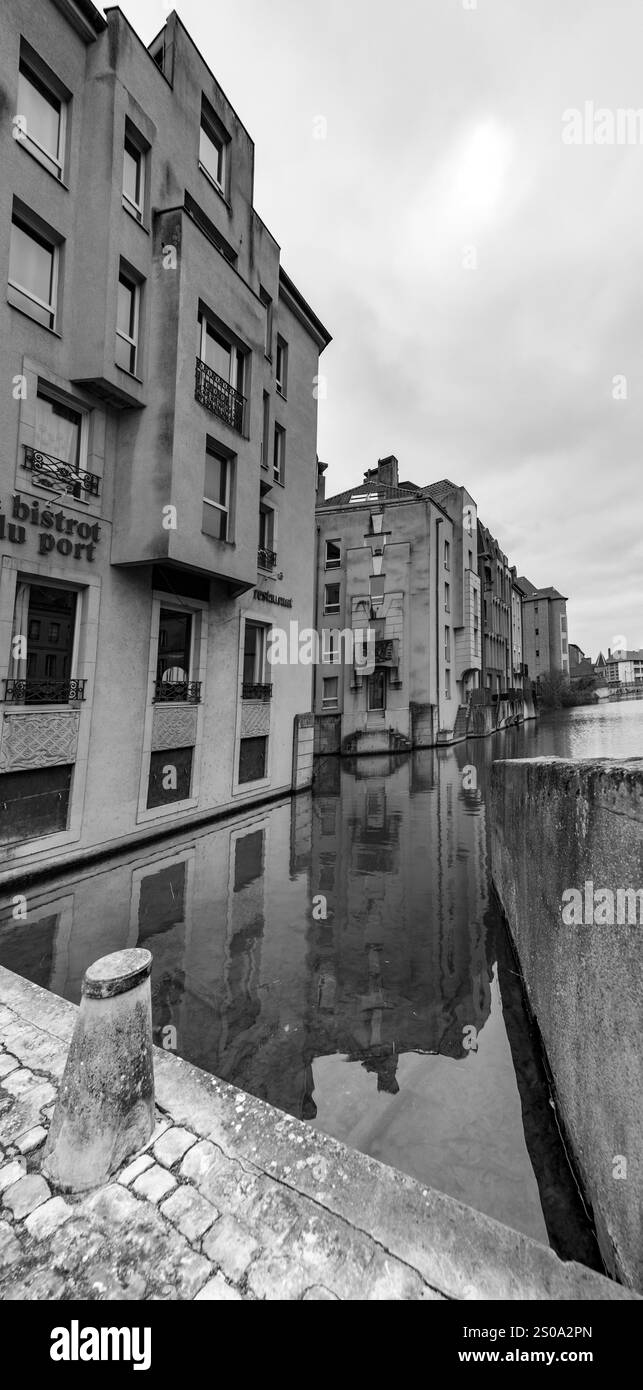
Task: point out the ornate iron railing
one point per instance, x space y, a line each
266 559
219 397
43 692
187 691
52 470
253 691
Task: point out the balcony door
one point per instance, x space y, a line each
46 617
174 654
221 355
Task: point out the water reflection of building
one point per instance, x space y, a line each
401 963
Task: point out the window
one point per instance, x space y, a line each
170 776
58 436
330 645
254 654
267 557
34 803
216 521
377 689
43 113
127 319
133 177
279 454
447 598
174 654
447 555
267 304
330 689
213 148
331 598
221 354
447 685
470 559
447 644
252 759
44 676
265 433
536 631
333 555
281 368
33 272
537 652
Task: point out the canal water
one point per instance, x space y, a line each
341 955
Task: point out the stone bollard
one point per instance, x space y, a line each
105 1106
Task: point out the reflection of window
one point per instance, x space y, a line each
33 272
162 901
252 759
330 691
377 689
248 859
43 112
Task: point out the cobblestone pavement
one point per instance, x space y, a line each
232 1200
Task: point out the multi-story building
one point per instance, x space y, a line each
394 560
624 667
502 653
544 624
158 432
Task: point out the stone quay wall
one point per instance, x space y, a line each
567 864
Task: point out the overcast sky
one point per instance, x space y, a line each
444 133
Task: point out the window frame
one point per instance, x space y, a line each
238 355
279 434
332 608
132 139
260 656
36 73
225 508
29 228
330 701
281 377
266 300
378 674
211 127
332 564
126 277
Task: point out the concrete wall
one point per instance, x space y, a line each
556 826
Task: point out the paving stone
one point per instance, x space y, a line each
135 1169
12 1172
319 1294
18 1114
154 1184
32 1140
173 1144
47 1217
159 1128
202 1159
231 1247
193 1270
20 1081
217 1288
188 1210
26 1194
9 1245
7 1063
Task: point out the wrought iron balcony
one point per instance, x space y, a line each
187 692
266 559
43 692
387 652
219 397
253 691
51 471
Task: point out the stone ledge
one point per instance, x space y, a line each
282 1176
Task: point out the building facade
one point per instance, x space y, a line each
502 652
624 667
393 560
545 639
158 460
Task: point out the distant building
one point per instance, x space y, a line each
624 667
544 625
502 653
400 559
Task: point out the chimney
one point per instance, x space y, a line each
387 471
321 482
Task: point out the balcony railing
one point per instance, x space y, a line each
50 471
219 397
266 559
254 691
188 692
43 692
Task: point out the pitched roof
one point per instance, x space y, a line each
530 591
381 492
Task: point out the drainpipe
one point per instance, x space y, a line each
438 523
315 613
